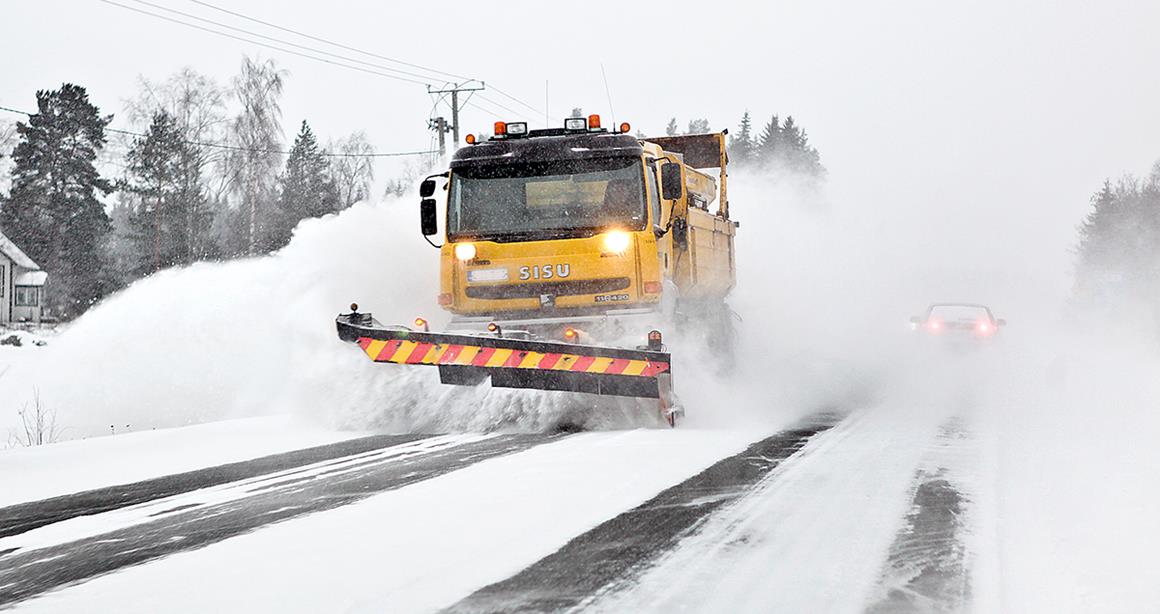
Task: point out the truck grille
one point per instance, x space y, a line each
554 288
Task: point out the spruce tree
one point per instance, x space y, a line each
307 189
170 223
53 212
741 145
672 129
769 145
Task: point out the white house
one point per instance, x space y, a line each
21 285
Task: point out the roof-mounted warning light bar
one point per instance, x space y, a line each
511 130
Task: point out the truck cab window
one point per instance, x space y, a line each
544 200
654 195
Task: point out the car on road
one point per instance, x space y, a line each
958 321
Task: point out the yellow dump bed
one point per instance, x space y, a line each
703 267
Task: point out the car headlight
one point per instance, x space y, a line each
617 241
465 251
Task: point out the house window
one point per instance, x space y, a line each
27 296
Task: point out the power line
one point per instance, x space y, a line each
490 112
357 50
514 113
260 44
281 41
503 93
330 42
304 47
393 154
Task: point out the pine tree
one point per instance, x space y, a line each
672 129
769 144
170 224
53 212
197 105
307 189
741 145
1119 244
1096 233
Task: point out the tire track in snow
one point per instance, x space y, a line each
22 517
928 569
27 574
617 548
809 537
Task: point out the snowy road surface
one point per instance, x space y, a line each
495 523
879 510
130 525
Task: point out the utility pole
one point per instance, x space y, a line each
455 106
439 125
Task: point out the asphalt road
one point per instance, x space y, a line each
927 568
615 550
26 574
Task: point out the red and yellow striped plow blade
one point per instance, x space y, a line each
405 352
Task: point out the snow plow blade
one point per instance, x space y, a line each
468 359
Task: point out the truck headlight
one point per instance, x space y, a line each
465 251
617 241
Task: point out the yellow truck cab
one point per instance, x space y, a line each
582 232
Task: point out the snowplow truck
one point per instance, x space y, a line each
564 252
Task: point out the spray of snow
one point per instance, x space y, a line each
256 336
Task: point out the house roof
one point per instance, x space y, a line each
19 258
30 278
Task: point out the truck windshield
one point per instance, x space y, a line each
546 200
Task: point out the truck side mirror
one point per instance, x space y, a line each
672 186
427 215
427 188
680 233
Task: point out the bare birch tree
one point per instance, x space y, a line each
352 168
197 105
257 135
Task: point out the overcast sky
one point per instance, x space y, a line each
1010 112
